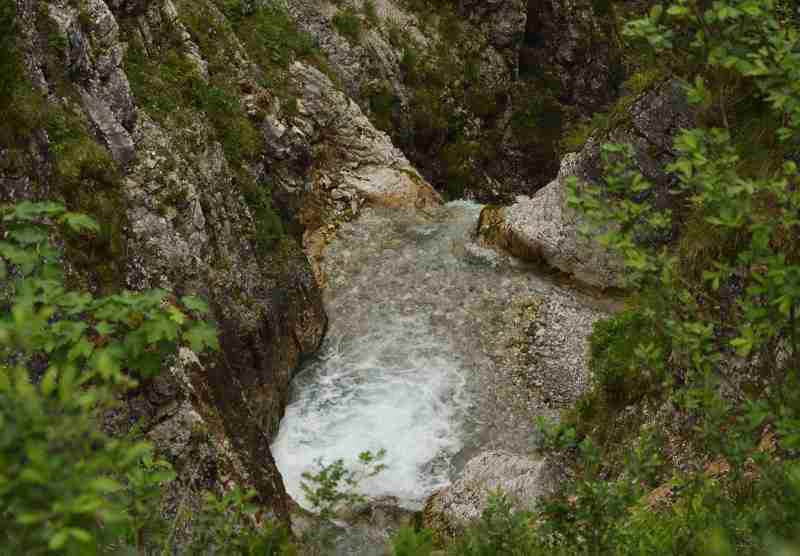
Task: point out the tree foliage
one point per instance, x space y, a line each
708 346
722 349
66 486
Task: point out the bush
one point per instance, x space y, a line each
620 369
335 485
348 24
501 531
410 542
66 486
702 335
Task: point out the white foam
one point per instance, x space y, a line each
395 388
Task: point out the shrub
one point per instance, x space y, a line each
500 531
410 542
382 105
335 485
619 361
66 486
268 223
691 325
371 13
348 24
62 478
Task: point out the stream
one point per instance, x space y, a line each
437 348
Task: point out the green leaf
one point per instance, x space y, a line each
104 485
31 518
195 304
80 535
82 348
30 475
27 210
80 222
202 336
48 384
105 328
677 11
28 235
58 540
175 315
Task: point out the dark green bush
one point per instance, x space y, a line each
268 223
382 104
410 542
349 25
370 12
619 369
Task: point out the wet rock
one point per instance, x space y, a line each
521 479
544 229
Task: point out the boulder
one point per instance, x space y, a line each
520 478
543 228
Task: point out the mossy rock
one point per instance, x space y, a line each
492 227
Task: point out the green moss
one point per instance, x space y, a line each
348 24
371 13
269 228
575 137
382 104
169 87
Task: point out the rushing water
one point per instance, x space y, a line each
404 367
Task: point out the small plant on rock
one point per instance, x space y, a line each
335 485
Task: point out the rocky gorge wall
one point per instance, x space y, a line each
206 159
477 94
221 142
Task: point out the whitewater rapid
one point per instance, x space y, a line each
387 377
431 354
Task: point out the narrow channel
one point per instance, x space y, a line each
414 361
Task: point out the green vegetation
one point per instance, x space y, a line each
688 441
268 223
334 485
271 38
66 487
168 84
445 89
349 25
82 171
371 13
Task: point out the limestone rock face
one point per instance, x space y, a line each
360 162
543 228
378 66
94 54
504 20
520 478
182 220
571 39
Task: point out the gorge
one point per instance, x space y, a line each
394 212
